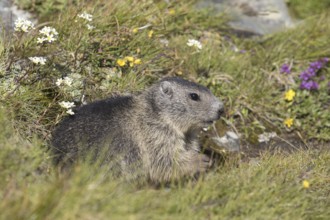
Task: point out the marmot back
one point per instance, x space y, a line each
151 135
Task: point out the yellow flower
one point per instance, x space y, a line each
288 122
179 73
289 95
306 184
137 61
121 62
171 11
150 33
135 30
130 59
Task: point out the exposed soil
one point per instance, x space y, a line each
250 152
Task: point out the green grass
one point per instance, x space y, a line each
250 84
269 189
302 9
90 57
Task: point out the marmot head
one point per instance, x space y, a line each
185 104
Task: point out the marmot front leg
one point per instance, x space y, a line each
198 163
189 164
201 163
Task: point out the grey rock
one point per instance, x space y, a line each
266 137
230 141
9 13
256 16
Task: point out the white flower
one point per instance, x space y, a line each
48 31
70 112
67 105
38 60
194 43
86 16
50 38
90 27
165 42
49 34
40 40
68 81
59 81
23 25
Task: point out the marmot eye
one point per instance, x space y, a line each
194 96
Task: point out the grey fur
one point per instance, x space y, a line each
152 134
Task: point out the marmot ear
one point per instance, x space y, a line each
166 88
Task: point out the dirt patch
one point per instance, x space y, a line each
250 152
286 144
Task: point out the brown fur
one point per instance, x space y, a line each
151 135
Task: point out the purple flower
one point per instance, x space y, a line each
325 60
285 68
305 85
312 71
305 75
309 85
317 65
315 85
308 76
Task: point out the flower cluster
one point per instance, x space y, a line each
49 34
308 76
194 43
38 60
66 81
289 95
68 106
71 86
88 18
131 61
23 25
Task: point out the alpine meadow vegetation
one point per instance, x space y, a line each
274 86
